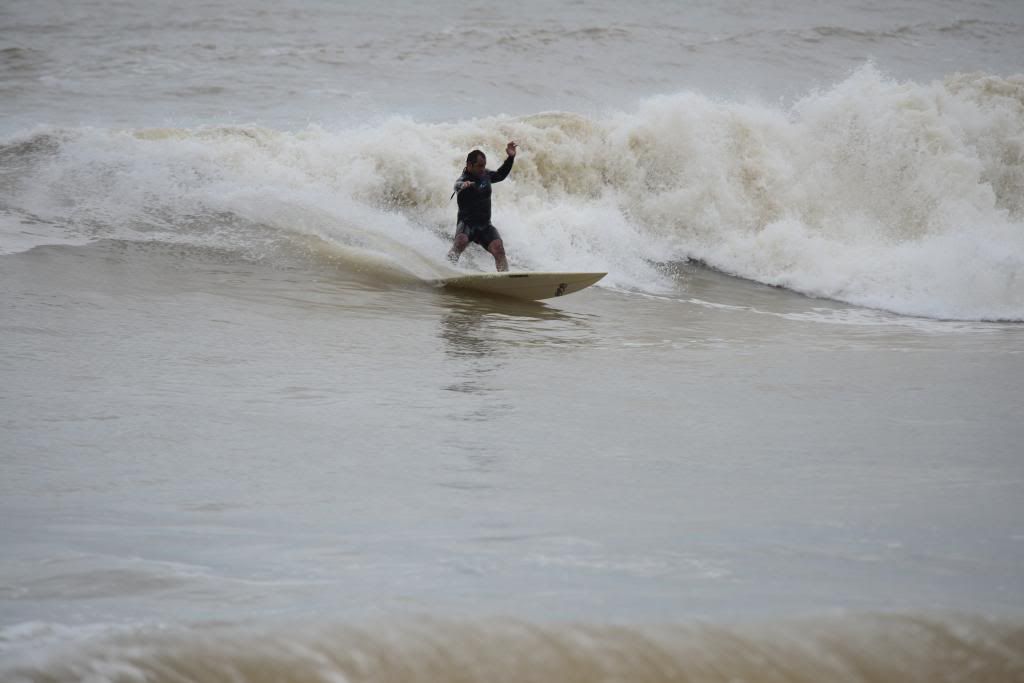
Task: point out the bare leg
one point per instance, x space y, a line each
458 246
497 250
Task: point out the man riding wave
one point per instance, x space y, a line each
474 220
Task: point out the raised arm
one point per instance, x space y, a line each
505 168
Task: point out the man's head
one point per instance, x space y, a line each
476 163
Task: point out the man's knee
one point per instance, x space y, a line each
461 242
496 247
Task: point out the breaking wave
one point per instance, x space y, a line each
892 195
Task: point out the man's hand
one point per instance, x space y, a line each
510 148
465 184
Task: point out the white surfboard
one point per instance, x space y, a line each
520 285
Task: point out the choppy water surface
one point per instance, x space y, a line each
245 437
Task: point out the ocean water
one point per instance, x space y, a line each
245 437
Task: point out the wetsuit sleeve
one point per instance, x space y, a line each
503 170
458 184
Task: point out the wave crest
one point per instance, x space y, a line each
892 649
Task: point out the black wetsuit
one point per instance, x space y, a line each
475 205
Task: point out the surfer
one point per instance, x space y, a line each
474 222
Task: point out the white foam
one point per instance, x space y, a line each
897 196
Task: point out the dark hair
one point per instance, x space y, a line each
474 156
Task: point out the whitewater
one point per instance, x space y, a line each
890 195
246 436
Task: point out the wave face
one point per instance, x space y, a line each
890 649
892 195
